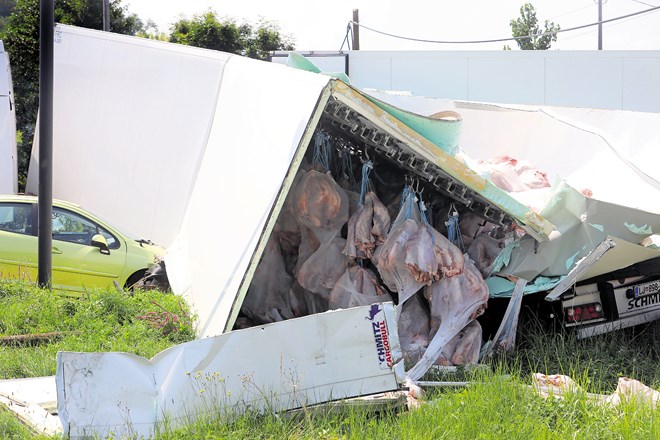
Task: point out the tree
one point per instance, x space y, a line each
208 31
20 36
527 24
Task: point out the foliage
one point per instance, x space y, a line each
527 24
209 31
20 36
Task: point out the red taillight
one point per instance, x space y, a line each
584 312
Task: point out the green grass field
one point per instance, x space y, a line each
498 404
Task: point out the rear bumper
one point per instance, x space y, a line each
605 327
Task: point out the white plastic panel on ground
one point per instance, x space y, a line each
286 365
33 400
8 158
263 111
131 121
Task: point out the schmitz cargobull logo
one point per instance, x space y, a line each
381 336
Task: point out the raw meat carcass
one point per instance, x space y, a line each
531 177
420 255
483 251
391 261
511 175
304 302
323 268
463 348
413 325
320 204
357 287
455 301
308 245
449 258
451 297
381 219
267 299
367 228
350 250
364 241
503 173
472 225
287 231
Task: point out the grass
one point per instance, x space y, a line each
498 404
101 320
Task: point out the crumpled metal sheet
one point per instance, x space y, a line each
285 365
582 224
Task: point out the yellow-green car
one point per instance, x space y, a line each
87 252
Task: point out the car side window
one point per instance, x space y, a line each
15 217
71 227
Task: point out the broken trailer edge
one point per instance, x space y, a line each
305 361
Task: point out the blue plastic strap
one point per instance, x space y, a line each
366 169
454 230
322 150
422 209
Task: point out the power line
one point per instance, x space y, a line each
499 40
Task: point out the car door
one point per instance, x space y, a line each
18 245
77 265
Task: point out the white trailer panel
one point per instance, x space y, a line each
275 367
8 157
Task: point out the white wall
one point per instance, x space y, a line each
8 182
619 80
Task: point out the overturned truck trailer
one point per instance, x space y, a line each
211 155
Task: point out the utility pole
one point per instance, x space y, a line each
106 15
45 239
600 25
356 29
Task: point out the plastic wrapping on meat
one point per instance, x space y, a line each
464 348
450 259
267 299
421 256
414 325
323 268
449 297
303 302
455 301
308 245
472 225
287 231
357 287
391 261
320 204
367 228
364 241
381 219
511 175
350 250
483 251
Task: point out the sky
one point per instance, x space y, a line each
319 26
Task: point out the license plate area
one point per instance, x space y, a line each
638 298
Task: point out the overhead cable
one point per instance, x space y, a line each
498 40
